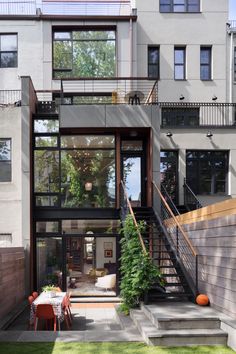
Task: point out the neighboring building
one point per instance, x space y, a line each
128 94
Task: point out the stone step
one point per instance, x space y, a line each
182 322
181 337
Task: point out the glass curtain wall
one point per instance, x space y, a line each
76 171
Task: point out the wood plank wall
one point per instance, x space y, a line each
12 278
215 240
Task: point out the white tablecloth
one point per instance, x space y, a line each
56 302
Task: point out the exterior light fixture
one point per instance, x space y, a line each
209 134
88 186
214 98
169 134
181 97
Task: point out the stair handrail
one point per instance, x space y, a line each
170 200
151 93
197 203
133 217
175 220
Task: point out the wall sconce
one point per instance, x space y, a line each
214 98
181 97
169 134
209 134
88 186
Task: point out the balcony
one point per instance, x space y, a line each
101 91
38 8
197 115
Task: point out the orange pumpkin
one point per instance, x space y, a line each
202 300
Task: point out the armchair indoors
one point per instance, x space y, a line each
106 282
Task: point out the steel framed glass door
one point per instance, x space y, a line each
133 171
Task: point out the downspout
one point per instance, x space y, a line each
231 69
131 47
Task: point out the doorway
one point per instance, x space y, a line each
133 171
88 260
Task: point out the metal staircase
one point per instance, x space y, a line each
170 249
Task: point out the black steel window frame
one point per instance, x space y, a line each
181 63
196 174
153 65
207 64
173 158
178 6
71 30
14 52
180 116
58 149
6 160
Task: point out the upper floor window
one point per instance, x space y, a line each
84 53
8 50
180 58
153 62
179 5
205 63
5 160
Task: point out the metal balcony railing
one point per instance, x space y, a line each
10 98
66 8
197 114
124 90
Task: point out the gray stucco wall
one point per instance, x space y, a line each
215 241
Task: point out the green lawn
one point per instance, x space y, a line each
104 348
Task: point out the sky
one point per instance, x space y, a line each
232 9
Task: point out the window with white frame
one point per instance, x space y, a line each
179 6
8 50
5 160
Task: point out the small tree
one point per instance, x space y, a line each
137 269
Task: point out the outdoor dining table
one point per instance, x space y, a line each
56 301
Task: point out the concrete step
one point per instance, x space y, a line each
183 322
173 337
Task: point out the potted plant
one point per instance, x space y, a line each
50 290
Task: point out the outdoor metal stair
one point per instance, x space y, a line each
164 256
179 325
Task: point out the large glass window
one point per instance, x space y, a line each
8 50
205 63
179 62
153 62
5 160
169 173
49 261
207 171
84 53
184 116
179 5
46 171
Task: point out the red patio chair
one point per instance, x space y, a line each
45 312
35 294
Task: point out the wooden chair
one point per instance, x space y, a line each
45 312
35 294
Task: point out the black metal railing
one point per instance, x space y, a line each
123 90
179 240
190 199
10 97
197 114
169 200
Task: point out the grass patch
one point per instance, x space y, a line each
106 348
